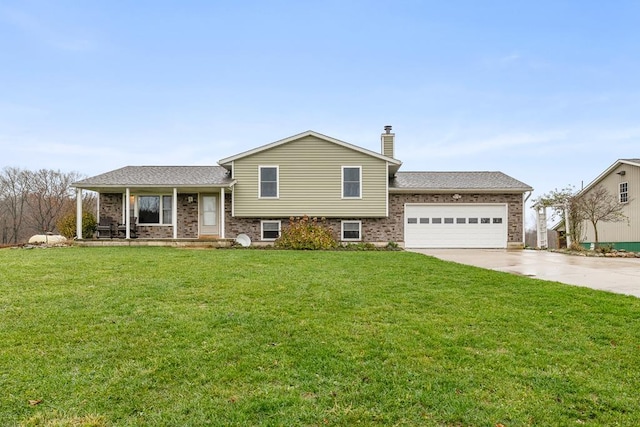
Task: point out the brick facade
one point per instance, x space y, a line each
111 206
390 229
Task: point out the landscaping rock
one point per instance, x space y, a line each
47 239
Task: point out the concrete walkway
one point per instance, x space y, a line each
619 275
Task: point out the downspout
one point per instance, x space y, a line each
524 221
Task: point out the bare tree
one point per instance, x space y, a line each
14 189
50 197
599 205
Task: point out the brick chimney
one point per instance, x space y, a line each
387 141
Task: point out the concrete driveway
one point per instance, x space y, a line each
619 275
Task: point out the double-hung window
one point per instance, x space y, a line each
351 230
351 182
270 230
624 192
154 209
268 182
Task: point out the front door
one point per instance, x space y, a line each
208 215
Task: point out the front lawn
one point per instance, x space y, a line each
160 336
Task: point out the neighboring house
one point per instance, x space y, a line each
361 193
621 179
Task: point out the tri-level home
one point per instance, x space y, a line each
362 195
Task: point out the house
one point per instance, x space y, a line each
362 194
621 179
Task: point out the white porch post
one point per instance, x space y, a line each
174 213
222 213
127 209
541 225
79 213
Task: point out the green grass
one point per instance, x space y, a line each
160 336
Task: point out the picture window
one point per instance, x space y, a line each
154 209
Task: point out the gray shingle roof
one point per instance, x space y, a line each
155 176
469 181
632 160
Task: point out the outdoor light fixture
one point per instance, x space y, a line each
190 199
457 196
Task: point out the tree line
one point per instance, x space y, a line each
33 202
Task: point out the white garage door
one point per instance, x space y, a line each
455 226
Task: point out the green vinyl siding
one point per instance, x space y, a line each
627 246
310 182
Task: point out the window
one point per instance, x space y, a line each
473 220
436 220
351 183
485 220
624 192
270 230
461 220
424 220
351 230
268 181
448 220
166 209
412 220
155 209
497 220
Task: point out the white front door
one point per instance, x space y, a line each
209 215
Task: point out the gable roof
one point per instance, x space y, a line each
393 162
159 176
456 181
631 162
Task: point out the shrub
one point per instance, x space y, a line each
606 248
393 246
67 225
361 246
306 233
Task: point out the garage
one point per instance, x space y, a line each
455 225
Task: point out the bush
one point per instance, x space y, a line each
605 248
306 233
361 246
67 225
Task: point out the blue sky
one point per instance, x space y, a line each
546 91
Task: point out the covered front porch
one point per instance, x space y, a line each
158 203
161 213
